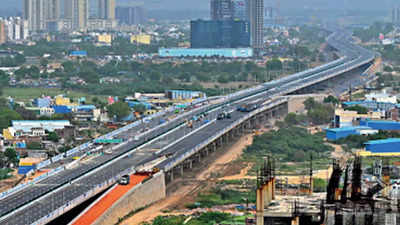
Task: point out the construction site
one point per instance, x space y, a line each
357 194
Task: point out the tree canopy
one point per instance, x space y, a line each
118 110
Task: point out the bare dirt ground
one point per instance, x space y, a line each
185 190
10 182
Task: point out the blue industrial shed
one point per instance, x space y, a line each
337 133
61 109
381 124
391 145
133 103
78 54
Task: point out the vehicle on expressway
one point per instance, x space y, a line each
108 152
124 180
248 107
224 115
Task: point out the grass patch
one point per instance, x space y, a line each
5 173
223 197
359 95
26 94
236 182
208 218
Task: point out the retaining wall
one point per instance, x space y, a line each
140 196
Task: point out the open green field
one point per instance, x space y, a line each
26 94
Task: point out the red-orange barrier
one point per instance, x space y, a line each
108 200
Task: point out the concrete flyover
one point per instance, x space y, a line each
45 200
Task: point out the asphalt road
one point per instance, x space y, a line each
80 185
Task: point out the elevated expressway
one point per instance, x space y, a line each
54 195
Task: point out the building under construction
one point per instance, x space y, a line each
356 195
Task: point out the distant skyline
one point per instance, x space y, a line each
285 4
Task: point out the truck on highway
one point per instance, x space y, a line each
248 107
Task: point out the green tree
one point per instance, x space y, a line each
11 155
6 115
3 160
53 136
274 64
319 185
139 108
291 119
310 103
118 110
331 99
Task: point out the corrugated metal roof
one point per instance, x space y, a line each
383 121
39 121
384 141
349 128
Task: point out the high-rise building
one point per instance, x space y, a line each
13 29
9 25
222 9
3 35
220 34
396 15
106 9
39 12
94 9
52 8
34 12
255 14
78 12
239 10
130 15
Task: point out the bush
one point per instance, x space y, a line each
319 185
34 145
287 143
359 109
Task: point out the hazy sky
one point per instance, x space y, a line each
204 4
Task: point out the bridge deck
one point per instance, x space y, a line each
100 207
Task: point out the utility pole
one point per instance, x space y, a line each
311 174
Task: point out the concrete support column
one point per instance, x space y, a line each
260 207
181 169
266 195
190 164
171 175
273 188
199 155
295 221
270 189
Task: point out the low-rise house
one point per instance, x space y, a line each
33 128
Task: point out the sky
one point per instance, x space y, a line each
289 4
